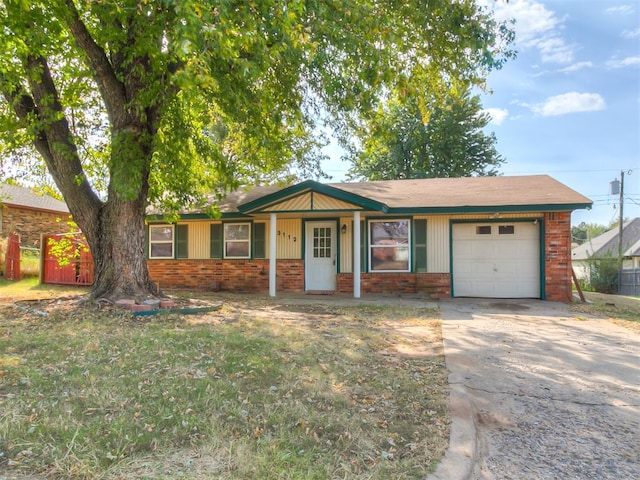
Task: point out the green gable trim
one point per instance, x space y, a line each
263 203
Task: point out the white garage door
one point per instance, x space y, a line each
496 260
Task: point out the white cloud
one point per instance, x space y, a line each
630 34
624 62
575 67
536 27
498 115
571 102
619 10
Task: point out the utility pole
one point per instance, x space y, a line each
617 187
621 201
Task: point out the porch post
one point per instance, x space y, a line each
272 255
356 254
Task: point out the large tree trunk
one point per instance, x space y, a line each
119 253
115 229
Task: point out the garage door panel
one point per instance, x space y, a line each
496 265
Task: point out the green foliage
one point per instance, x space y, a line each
446 140
586 231
228 92
603 273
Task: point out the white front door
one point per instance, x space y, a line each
320 256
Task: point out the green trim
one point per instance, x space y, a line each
263 203
181 239
258 240
216 241
419 243
199 216
248 209
541 243
490 209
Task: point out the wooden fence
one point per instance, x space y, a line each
66 260
12 258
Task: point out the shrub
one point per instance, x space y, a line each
603 274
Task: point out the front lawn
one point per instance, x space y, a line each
620 309
255 389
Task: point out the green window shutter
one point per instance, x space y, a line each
146 241
420 246
182 241
259 240
363 246
215 240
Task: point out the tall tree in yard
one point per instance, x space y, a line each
443 138
168 100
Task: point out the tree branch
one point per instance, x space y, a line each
112 90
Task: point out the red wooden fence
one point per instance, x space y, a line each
12 258
66 260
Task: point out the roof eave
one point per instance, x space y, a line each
492 208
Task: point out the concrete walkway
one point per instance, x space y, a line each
539 394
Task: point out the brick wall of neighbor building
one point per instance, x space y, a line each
29 224
557 261
227 275
435 285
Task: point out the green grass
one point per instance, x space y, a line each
30 288
250 391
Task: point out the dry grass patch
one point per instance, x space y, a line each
256 389
620 309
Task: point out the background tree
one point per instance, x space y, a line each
167 101
440 139
586 231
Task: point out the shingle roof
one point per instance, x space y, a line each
444 193
468 192
26 198
506 193
608 243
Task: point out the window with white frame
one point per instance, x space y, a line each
237 240
389 245
161 241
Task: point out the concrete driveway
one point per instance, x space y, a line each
540 394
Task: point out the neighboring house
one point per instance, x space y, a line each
29 214
496 237
607 245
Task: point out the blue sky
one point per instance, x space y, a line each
569 104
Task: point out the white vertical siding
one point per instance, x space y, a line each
288 238
438 244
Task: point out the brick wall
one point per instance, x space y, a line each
227 275
557 262
29 224
435 285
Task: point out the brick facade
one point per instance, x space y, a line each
253 275
227 275
557 256
30 224
435 285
